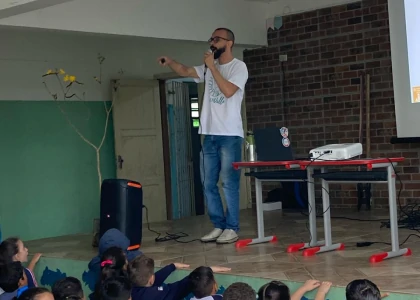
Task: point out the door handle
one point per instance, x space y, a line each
120 161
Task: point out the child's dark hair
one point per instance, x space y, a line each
274 290
118 288
33 293
362 289
239 291
8 249
113 261
202 282
10 275
68 288
140 270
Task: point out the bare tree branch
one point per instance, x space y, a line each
108 112
76 129
66 95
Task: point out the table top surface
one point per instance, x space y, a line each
306 163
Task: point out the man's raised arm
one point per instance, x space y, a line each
178 68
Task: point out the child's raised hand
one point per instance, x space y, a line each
34 261
311 284
323 290
383 295
324 287
181 266
36 257
217 269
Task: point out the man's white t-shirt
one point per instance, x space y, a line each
221 115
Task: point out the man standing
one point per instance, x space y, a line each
221 125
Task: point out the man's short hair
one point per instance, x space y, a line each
230 34
239 291
140 270
10 275
362 289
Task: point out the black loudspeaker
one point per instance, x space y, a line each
122 208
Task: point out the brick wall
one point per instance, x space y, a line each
328 50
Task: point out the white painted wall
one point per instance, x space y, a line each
172 19
29 53
288 7
181 19
11 8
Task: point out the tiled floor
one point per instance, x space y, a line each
400 274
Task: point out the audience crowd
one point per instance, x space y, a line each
130 275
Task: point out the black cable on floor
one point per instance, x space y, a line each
407 219
366 244
169 236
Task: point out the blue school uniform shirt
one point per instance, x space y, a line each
158 291
212 297
31 278
31 284
17 293
8 296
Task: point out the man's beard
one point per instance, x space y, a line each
218 52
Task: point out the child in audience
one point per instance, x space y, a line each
361 289
111 238
13 280
276 290
113 264
148 285
68 288
118 288
239 291
13 249
38 293
323 290
203 284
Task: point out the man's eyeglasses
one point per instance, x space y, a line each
216 39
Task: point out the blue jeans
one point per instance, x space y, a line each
216 158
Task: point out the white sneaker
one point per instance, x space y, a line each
228 236
212 236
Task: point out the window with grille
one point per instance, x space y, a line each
195 114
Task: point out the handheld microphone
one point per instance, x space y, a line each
209 51
205 65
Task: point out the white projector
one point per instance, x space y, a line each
336 152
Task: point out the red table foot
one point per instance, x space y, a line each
315 250
375 258
247 242
301 246
295 247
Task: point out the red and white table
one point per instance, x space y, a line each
314 246
288 165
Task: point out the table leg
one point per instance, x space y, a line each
329 246
260 221
393 219
312 216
